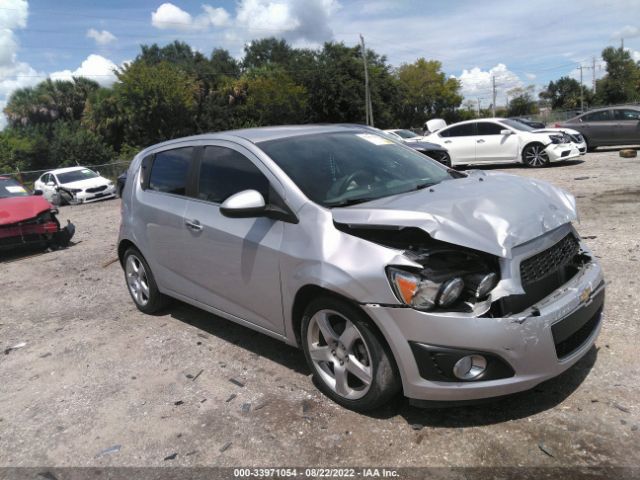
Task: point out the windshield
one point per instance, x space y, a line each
517 125
76 175
11 188
344 168
406 133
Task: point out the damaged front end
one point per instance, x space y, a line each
42 230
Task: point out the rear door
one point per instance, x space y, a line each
460 140
233 264
599 127
628 125
161 207
491 145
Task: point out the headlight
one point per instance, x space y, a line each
480 284
423 293
74 190
557 138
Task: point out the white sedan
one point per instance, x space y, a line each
499 140
74 185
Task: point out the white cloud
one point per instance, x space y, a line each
102 37
530 76
13 73
94 67
218 17
627 31
292 19
170 17
478 83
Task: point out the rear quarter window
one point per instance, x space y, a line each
170 170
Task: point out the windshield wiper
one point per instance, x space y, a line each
350 201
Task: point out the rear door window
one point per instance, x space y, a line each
224 172
170 171
601 116
465 130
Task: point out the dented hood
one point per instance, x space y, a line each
487 211
19 209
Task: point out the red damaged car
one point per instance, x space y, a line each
27 219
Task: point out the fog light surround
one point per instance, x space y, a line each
470 367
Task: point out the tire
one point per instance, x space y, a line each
534 156
350 361
140 283
445 159
589 147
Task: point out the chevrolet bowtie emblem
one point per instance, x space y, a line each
585 295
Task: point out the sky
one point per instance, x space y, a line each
520 43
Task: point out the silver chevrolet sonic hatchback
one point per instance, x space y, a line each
389 270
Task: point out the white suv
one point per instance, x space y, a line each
500 140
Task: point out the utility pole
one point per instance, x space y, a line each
593 67
493 105
367 94
581 92
478 107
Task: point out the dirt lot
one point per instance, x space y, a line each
95 373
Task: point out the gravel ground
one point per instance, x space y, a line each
96 374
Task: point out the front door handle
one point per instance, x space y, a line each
447 141
480 141
193 225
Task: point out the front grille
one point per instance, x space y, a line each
548 261
570 333
96 189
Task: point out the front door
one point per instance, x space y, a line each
628 125
493 146
460 141
233 264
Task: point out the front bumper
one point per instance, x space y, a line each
562 151
88 197
524 341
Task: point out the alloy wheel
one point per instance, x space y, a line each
137 280
339 354
535 156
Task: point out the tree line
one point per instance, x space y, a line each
173 91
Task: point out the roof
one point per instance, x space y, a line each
67 169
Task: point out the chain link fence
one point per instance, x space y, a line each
108 170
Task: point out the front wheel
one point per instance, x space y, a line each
535 155
350 361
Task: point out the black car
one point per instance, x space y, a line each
431 150
122 179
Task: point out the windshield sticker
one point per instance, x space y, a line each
375 139
15 189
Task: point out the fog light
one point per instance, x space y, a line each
450 291
470 367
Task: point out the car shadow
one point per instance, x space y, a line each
244 337
27 251
510 166
543 397
617 149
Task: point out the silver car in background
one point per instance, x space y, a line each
390 271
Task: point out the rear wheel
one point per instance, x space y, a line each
351 363
141 284
534 155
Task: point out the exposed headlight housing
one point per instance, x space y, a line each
556 139
424 293
480 284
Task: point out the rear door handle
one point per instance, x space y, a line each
193 225
480 141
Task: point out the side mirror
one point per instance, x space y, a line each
245 204
50 184
505 132
37 192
